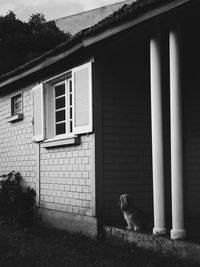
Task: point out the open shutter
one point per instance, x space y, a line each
82 98
38 112
49 111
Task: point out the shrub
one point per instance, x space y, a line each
17 203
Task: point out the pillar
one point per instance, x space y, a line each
177 231
157 135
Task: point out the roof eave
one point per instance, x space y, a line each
144 17
88 40
47 62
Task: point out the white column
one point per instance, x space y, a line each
157 135
177 231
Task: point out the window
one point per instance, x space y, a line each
62 105
16 104
15 108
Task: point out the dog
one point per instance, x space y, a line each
134 217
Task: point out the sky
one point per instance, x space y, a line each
52 9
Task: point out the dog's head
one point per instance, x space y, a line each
126 202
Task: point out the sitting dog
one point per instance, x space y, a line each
134 217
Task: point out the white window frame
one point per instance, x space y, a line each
48 105
67 107
13 104
19 115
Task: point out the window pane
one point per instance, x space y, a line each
60 115
17 98
70 114
70 126
60 89
70 99
60 128
60 103
17 106
70 86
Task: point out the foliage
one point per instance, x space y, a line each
10 15
23 41
36 22
17 203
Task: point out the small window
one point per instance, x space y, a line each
16 105
15 108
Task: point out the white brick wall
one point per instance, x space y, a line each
66 173
17 151
66 177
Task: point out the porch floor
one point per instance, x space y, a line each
188 248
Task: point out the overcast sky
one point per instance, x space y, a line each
52 9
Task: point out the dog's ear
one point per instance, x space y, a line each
121 198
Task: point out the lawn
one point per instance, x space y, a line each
39 246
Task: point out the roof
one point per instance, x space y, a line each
79 21
124 14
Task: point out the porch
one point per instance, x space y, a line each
187 250
149 104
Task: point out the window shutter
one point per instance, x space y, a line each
38 112
82 98
49 111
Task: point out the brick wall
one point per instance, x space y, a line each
66 173
127 132
17 151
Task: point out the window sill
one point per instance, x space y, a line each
51 143
15 118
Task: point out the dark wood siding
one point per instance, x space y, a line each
191 114
127 132
191 117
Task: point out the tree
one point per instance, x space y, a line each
22 41
10 15
36 22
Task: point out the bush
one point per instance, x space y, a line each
17 203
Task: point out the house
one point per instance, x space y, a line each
114 110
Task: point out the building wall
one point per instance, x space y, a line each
191 115
63 177
17 151
127 131
67 175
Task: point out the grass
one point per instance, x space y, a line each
49 247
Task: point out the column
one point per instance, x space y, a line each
157 135
177 231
